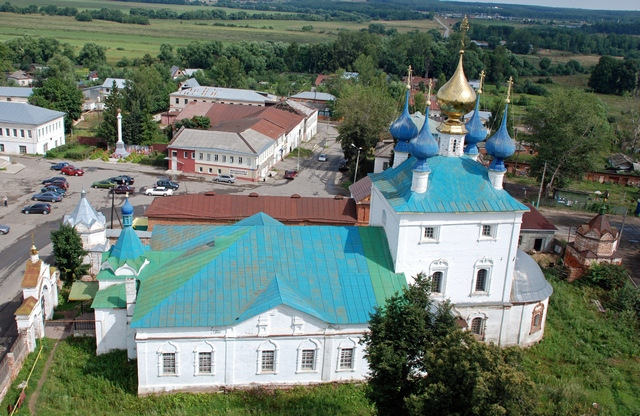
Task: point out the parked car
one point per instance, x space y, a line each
39 208
59 165
343 168
290 174
322 157
159 191
122 180
56 189
53 179
168 184
47 196
71 170
60 184
105 184
225 178
123 189
4 229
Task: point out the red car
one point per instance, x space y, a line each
123 189
71 171
290 174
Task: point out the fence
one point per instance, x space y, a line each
12 364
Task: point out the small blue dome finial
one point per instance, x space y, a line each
424 145
404 129
501 145
477 132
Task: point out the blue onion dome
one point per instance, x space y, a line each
501 145
423 146
476 131
127 208
404 129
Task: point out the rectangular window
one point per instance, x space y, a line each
204 362
267 361
486 231
0 132
186 155
346 359
215 158
240 160
476 326
200 169
21 133
177 100
15 132
224 158
28 132
193 155
7 131
429 233
1 146
208 157
308 360
169 363
230 159
186 100
200 156
46 147
23 150
210 170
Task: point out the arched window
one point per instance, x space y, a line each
346 356
481 280
477 326
436 282
168 360
536 318
308 356
204 359
268 358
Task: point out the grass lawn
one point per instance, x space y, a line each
585 357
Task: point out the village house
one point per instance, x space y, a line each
28 129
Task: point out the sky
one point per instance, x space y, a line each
575 4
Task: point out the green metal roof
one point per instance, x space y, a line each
83 290
112 297
230 273
456 185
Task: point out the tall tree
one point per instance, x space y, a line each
92 55
62 95
569 130
108 127
421 363
69 253
367 112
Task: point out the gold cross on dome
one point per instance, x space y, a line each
464 28
509 84
482 75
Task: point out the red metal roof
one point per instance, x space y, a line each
224 208
534 220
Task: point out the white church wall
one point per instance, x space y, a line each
236 353
111 330
522 317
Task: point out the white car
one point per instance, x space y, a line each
159 191
322 157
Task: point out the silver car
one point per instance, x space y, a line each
225 178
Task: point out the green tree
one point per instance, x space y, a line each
108 127
569 132
61 95
366 112
421 363
92 55
196 122
69 253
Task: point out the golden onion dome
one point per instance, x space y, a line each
456 98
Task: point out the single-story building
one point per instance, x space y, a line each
15 94
180 98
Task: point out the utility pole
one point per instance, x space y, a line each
541 183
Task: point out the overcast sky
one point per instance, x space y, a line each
576 4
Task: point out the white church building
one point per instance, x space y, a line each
261 303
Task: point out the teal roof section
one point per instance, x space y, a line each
336 274
128 245
259 219
456 185
156 259
111 297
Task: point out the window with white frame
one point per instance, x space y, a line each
307 356
477 326
239 160
23 150
193 155
200 156
308 360
168 363
482 277
168 360
267 358
215 158
436 282
481 280
205 361
208 157
200 169
429 234
224 158
488 231
536 318
186 155
268 361
346 359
